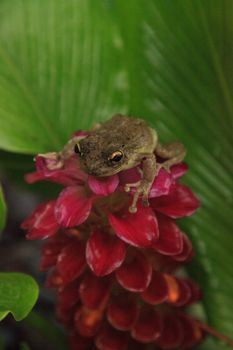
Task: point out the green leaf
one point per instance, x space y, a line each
2 210
18 294
179 58
48 329
59 71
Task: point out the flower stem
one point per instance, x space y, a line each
216 334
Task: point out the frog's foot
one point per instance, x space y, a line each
127 187
54 160
142 190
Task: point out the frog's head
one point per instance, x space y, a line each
104 156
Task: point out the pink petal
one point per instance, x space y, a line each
178 203
179 170
54 279
81 133
104 253
123 311
41 223
47 261
161 185
157 291
135 274
103 186
196 294
73 206
192 332
71 261
187 251
129 176
51 249
148 326
70 174
184 293
139 229
111 339
170 240
87 322
64 315
94 291
68 295
172 334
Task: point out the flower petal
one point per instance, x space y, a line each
103 186
87 322
172 334
192 332
129 176
111 339
70 174
161 185
71 261
68 295
51 249
187 251
139 229
94 291
64 314
41 223
104 253
196 294
135 274
122 311
178 203
54 279
184 293
73 206
148 326
157 291
170 240
178 170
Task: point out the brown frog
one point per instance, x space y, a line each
122 143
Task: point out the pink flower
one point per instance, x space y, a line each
114 271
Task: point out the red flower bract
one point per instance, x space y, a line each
114 271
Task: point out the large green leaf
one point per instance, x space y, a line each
18 294
2 210
59 71
180 64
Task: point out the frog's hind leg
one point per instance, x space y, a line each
174 153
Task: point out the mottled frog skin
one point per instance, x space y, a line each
131 137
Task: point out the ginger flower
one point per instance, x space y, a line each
115 272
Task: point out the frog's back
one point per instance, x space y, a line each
132 132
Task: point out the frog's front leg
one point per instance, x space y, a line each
144 185
174 153
58 158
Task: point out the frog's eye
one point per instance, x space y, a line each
77 149
115 157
